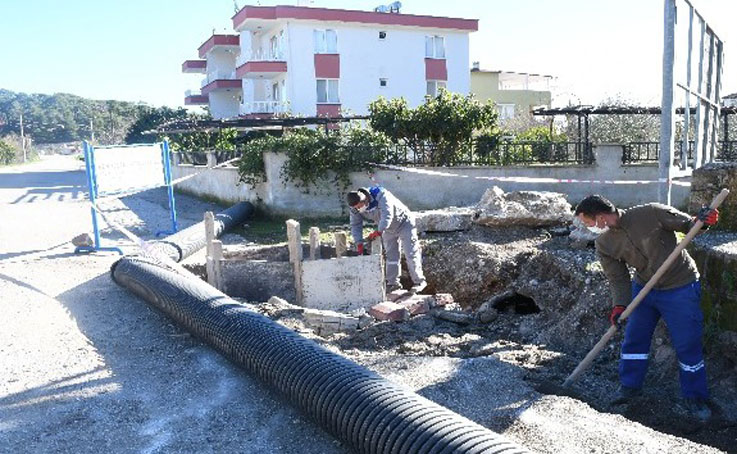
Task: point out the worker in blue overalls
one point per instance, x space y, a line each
643 237
395 224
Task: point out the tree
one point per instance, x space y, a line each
440 130
151 118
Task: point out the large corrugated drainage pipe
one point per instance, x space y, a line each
366 411
190 240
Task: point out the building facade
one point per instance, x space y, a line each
514 93
307 61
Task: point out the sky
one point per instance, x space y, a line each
132 50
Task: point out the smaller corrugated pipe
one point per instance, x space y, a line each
188 241
366 411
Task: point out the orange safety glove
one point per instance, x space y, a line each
709 216
616 312
373 235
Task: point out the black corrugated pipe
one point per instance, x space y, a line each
190 240
366 411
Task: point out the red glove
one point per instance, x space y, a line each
616 312
373 235
708 216
359 248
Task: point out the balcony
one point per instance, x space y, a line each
261 65
194 66
219 42
220 81
264 107
195 98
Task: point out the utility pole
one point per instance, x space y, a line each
22 138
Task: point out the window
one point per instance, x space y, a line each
275 92
327 91
434 47
382 35
434 86
506 111
382 82
326 41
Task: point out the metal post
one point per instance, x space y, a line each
667 123
166 156
22 138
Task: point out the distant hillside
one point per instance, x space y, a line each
65 118
68 118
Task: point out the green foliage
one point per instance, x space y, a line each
316 157
7 153
151 118
66 118
442 127
221 140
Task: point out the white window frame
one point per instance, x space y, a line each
436 86
325 41
327 92
504 110
435 46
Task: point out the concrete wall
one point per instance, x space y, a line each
430 188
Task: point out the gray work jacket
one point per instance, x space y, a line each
387 211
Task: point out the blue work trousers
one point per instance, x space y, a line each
680 308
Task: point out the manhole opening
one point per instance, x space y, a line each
521 304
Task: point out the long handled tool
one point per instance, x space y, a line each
583 365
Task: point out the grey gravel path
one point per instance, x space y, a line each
85 367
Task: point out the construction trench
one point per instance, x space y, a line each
522 295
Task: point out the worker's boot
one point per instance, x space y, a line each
624 395
418 287
393 286
696 407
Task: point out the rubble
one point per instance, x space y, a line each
522 208
449 219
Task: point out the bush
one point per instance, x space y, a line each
7 153
443 126
315 157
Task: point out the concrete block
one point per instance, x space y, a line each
330 322
294 240
344 284
441 299
388 310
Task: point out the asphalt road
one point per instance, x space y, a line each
86 367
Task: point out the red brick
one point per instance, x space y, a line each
397 294
388 310
418 304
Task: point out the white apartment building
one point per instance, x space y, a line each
315 61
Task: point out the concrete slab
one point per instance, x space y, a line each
343 284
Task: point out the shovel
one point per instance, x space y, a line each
583 365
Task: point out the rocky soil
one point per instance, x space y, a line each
545 334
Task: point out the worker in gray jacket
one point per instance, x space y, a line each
395 223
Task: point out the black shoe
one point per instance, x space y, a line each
625 394
696 408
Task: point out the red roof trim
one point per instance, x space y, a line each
218 40
196 100
342 15
194 64
260 67
220 83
